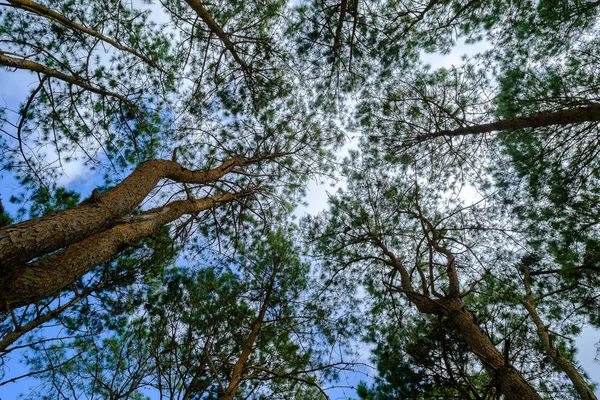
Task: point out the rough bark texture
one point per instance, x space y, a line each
509 381
29 283
563 117
561 362
27 240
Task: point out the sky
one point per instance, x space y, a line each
588 340
15 85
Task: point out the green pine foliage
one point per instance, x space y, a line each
111 85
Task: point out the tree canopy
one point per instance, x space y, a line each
461 246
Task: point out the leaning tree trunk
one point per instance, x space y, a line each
205 16
36 237
561 362
563 117
32 282
240 365
507 378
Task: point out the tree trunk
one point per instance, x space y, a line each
238 368
33 238
560 361
338 29
509 381
203 13
564 117
29 283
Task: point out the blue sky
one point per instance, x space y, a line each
15 85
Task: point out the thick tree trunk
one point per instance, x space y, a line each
564 117
509 381
29 283
33 238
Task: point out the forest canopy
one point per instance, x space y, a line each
156 153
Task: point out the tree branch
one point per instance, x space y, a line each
22 242
21 63
217 30
32 282
42 11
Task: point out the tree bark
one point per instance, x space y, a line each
564 117
560 361
509 380
33 238
29 283
45 12
203 13
238 368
